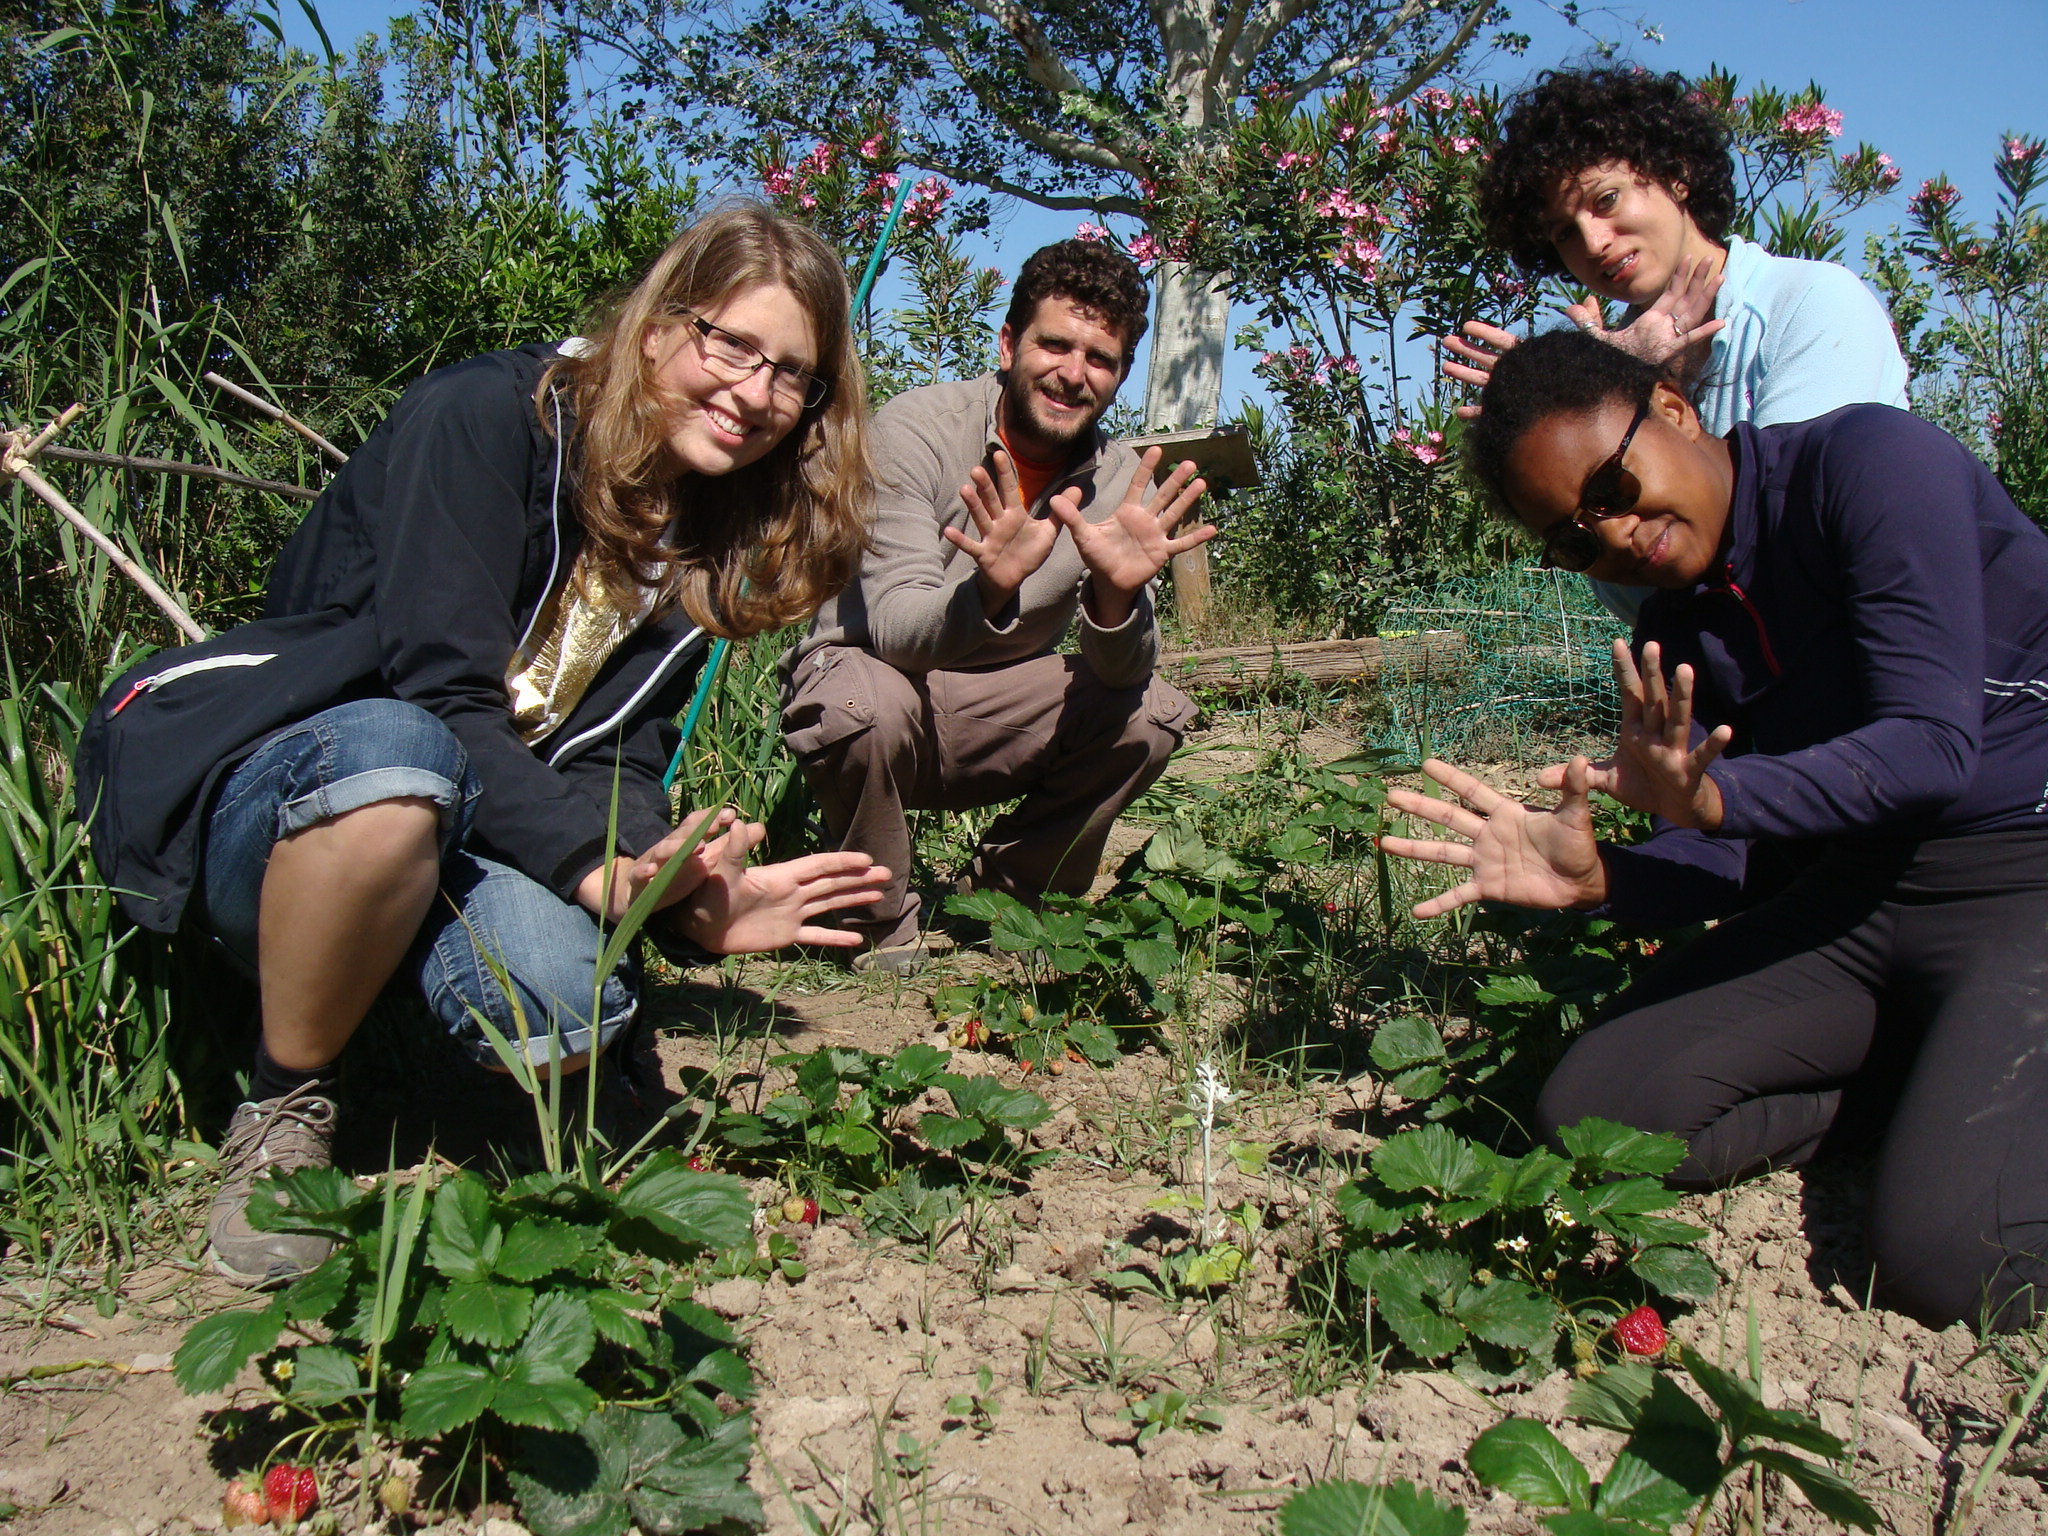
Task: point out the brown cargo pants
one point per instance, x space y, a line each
875 742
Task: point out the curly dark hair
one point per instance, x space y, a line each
1571 119
1555 373
1095 276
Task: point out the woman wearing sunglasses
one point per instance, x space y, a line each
1848 614
1621 180
439 755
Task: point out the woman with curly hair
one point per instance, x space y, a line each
440 753
1849 613
1621 179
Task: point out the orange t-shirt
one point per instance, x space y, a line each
1032 476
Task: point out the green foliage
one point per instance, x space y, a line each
1168 1408
1468 1255
1676 1460
549 1320
842 1130
1971 309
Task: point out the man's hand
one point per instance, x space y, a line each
1515 853
737 910
1135 542
1655 766
1013 543
1682 317
609 891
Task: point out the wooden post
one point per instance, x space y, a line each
16 449
257 402
1223 455
1191 586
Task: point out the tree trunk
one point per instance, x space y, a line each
1185 389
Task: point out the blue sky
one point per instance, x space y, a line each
1935 85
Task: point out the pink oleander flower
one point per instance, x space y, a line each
2020 151
1434 99
1460 145
1994 421
1147 187
1506 286
819 160
1094 234
1812 119
871 148
779 182
1145 250
1346 132
883 185
927 200
1360 256
1348 363
807 200
1295 159
1934 197
1387 140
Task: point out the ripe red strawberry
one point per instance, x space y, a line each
800 1208
810 1211
1641 1332
698 1164
243 1504
290 1491
975 1033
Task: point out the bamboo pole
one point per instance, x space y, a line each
17 448
175 467
257 402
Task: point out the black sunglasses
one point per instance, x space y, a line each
1610 490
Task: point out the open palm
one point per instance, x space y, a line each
1133 544
1512 852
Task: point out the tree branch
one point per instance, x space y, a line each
1059 202
1424 72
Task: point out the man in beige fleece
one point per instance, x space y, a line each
1002 517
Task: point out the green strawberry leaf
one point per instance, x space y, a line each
1151 958
949 1133
561 1337
706 1209
1407 1042
323 1375
444 1396
1433 1159
485 1312
626 1467
216 1348
1523 1458
1345 1508
1095 1041
541 1399
318 1292
1684 1274
306 1200
985 1099
1601 1147
1508 1313
462 1239
1635 1490
540 1245
1615 1398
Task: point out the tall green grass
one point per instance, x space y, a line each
90 1108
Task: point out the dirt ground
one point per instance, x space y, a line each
860 1361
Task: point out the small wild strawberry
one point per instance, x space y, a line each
699 1163
974 1033
800 1208
243 1504
290 1491
1641 1332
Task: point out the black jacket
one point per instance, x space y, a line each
413 577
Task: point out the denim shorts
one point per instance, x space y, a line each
490 918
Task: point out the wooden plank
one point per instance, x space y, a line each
1257 668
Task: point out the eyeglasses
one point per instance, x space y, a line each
735 360
1610 491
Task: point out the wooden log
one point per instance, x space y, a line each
1258 668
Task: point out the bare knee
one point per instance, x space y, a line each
382 837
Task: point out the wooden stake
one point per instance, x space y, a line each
175 467
257 402
15 449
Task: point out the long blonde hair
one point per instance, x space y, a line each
765 545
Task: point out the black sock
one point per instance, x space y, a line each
271 1081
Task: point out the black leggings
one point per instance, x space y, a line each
1923 966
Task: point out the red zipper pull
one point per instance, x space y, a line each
1763 635
129 697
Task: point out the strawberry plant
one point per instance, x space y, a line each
520 1322
843 1127
1679 1456
1469 1255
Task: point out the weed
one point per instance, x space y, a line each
1169 1408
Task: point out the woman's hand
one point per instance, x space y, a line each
1655 767
1682 316
1515 853
737 910
609 898
1471 361
1013 543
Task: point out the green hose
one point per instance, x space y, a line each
720 648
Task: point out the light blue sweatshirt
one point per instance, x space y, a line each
1803 338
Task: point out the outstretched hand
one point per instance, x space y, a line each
609 890
736 909
1655 766
1473 356
1513 852
1682 316
1013 543
1134 543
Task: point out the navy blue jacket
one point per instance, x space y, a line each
1877 635
414 576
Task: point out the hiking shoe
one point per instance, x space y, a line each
905 959
279 1135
